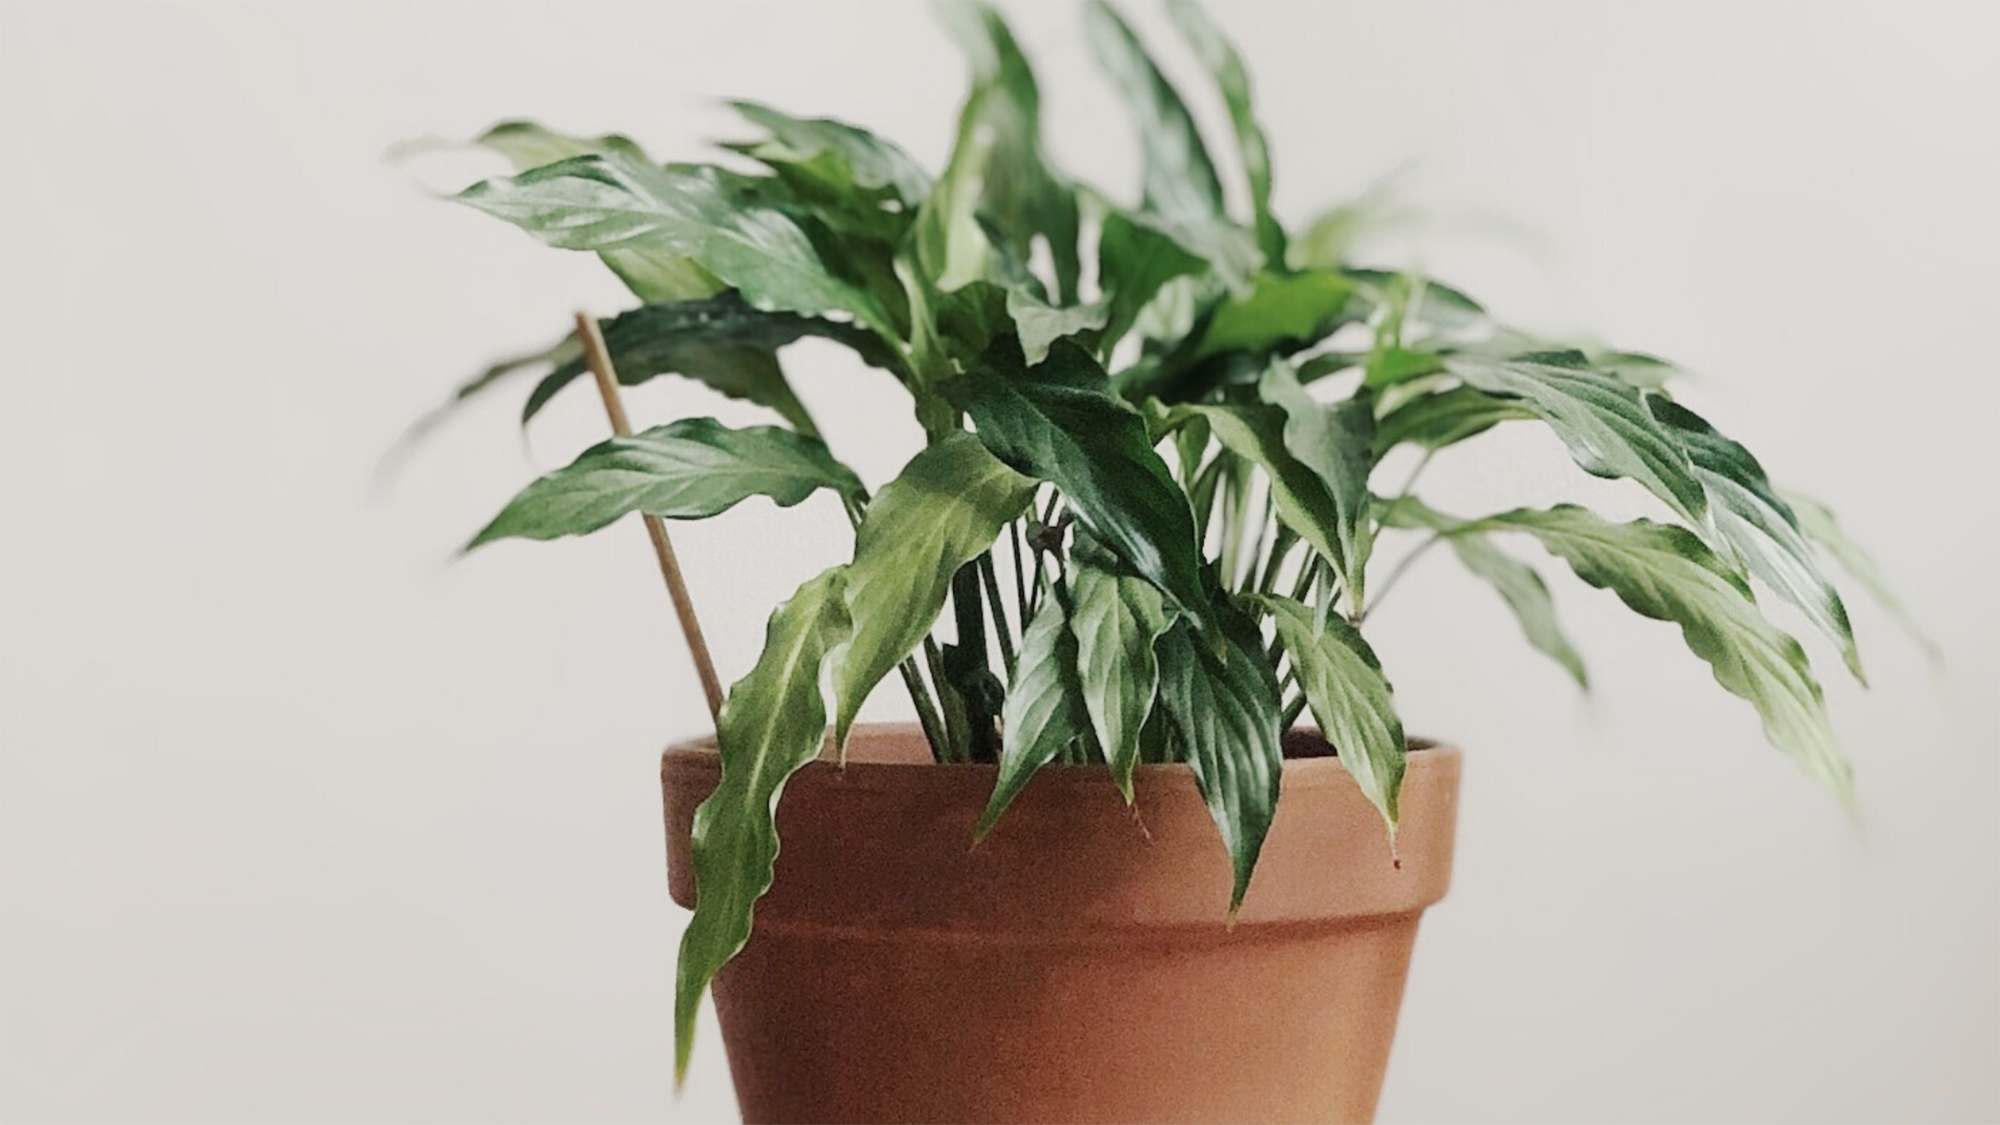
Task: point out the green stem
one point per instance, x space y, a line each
1001 633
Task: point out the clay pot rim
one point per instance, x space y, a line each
1310 770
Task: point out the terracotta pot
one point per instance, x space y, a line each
1078 964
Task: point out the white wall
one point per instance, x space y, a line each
301 823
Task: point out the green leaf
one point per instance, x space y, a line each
1117 618
690 469
1353 704
1437 419
1134 260
1225 709
1516 582
1040 324
944 510
1602 419
834 161
1044 713
722 342
1820 526
1668 574
1282 312
1179 180
1753 526
1059 421
1019 189
773 723
1334 441
1232 79
652 274
609 201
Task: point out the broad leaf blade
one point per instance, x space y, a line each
1225 709
1602 419
1135 260
1117 618
1335 441
609 201
945 509
773 723
1044 713
690 469
1282 312
1343 684
1436 419
833 160
1232 79
1668 574
1060 422
1757 529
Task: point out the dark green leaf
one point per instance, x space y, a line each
1134 260
1335 442
1059 421
690 469
609 201
1220 56
1343 684
1179 180
1044 713
1117 618
1225 710
773 723
1436 419
944 510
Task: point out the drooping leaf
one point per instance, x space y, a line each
528 144
1020 188
1335 441
1668 574
1225 711
1756 528
690 469
1282 311
1819 525
1059 421
1436 419
1343 685
773 723
1516 582
834 161
1603 420
944 510
1179 179
1232 78
1044 713
493 375
609 201
722 342
1117 618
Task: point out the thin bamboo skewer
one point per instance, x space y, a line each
598 358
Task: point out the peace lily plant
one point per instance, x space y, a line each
1147 493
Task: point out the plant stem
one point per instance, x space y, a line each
598 358
993 599
1020 577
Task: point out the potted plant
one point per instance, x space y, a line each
1106 875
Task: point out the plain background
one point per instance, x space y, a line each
303 822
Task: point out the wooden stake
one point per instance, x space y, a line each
598 358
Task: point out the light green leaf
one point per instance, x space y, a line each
609 201
1334 440
944 510
1117 618
1059 421
1232 78
1040 324
1134 260
527 144
1282 312
1758 530
1044 713
1668 574
1179 180
1516 582
834 161
773 723
1820 526
690 469
1225 710
1353 704
1602 419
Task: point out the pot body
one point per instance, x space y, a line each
1078 964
